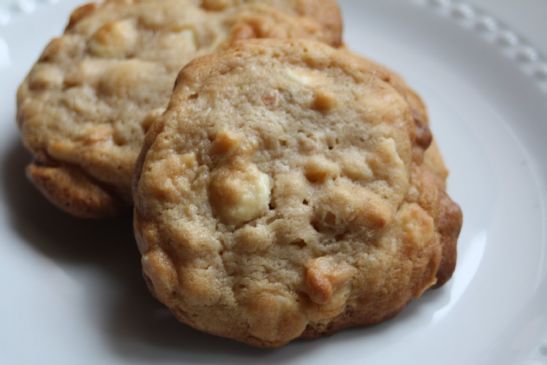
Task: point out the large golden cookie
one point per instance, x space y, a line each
287 192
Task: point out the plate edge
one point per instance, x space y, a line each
526 57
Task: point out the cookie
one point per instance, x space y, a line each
326 13
85 106
285 193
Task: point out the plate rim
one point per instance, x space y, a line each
527 58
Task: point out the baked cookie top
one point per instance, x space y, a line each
325 12
284 193
86 104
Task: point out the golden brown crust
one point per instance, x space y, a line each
448 214
449 223
284 193
73 191
90 98
79 13
349 320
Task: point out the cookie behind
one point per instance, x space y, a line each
86 104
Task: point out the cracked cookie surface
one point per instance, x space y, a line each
85 106
288 192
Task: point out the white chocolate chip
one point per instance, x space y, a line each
240 195
302 77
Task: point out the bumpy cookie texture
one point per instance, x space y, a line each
326 13
285 193
86 104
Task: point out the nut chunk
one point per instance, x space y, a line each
324 278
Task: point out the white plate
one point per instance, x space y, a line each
71 291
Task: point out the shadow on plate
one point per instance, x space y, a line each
136 325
